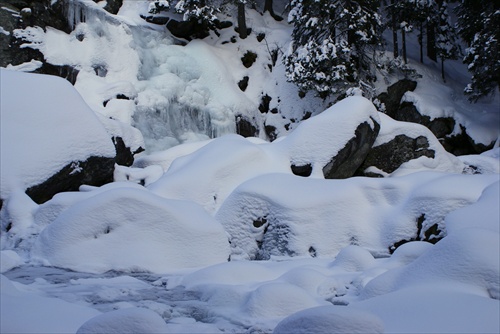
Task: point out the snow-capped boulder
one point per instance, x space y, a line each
130 229
50 140
335 142
403 147
270 215
128 320
330 320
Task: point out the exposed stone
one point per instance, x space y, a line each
94 171
395 92
124 155
431 234
349 158
264 103
271 132
463 144
245 127
304 170
160 20
113 6
243 83
187 29
390 156
249 58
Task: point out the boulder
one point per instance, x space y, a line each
335 142
245 127
187 29
34 156
405 147
395 92
352 155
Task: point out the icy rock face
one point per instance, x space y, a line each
37 158
131 230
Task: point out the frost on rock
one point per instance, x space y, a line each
131 230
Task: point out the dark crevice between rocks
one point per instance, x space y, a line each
432 234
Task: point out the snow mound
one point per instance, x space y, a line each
131 230
278 299
32 106
129 320
467 256
9 260
483 214
354 258
331 320
286 215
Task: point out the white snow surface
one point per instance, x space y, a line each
32 107
131 230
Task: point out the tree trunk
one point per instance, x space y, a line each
394 29
268 7
442 69
403 41
242 23
421 42
431 42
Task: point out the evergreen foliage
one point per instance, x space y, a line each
479 25
331 44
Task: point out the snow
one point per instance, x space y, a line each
27 312
330 319
161 235
129 320
32 105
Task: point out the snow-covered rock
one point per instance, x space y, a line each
50 140
128 320
330 320
403 147
286 215
131 230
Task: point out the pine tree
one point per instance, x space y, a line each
331 41
479 25
446 39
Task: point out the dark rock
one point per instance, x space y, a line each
245 127
94 171
124 155
390 156
113 6
271 132
264 103
351 157
248 59
160 20
303 170
64 71
260 37
243 83
223 24
463 144
187 29
307 115
395 92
